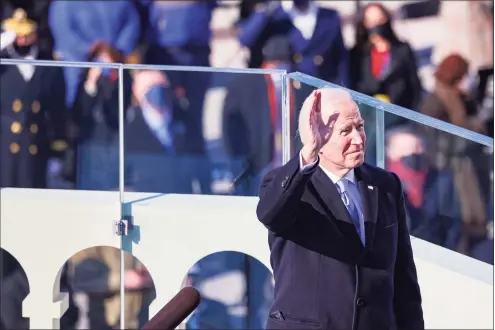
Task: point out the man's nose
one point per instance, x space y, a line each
356 137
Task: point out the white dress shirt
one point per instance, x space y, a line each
26 70
303 21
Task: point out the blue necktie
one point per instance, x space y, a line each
342 187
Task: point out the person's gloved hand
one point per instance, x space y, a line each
7 38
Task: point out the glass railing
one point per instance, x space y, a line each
152 130
446 170
158 129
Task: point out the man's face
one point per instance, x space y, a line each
347 141
27 40
404 144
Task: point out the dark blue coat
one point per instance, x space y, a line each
33 123
77 25
323 56
324 277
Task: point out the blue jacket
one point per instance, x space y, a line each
179 25
76 25
324 55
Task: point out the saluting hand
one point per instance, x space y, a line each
313 130
309 120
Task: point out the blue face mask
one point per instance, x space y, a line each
416 162
301 3
159 97
104 71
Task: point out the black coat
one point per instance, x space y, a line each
324 277
401 82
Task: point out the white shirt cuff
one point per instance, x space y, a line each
308 167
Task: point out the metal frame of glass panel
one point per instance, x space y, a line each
383 107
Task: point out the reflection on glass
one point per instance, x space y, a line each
213 133
447 182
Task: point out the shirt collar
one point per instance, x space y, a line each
351 176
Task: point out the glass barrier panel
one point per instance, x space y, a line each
448 185
204 131
299 91
51 140
201 132
446 172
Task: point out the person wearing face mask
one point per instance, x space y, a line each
95 122
33 138
381 65
252 117
314 33
159 153
432 198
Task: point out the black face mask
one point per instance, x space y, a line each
301 4
416 162
384 30
22 50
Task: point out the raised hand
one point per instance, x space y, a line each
310 122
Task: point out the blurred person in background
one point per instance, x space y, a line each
95 122
236 292
381 65
432 200
78 25
159 153
33 113
38 12
178 33
314 34
96 281
32 142
252 117
451 101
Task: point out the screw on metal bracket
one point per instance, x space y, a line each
123 226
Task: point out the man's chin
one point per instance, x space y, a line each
355 159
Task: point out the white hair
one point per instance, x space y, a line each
332 98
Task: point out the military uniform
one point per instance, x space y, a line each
32 121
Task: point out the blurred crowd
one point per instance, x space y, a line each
60 129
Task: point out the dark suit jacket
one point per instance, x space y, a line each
401 82
324 55
324 277
246 123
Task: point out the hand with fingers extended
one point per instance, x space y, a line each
310 123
